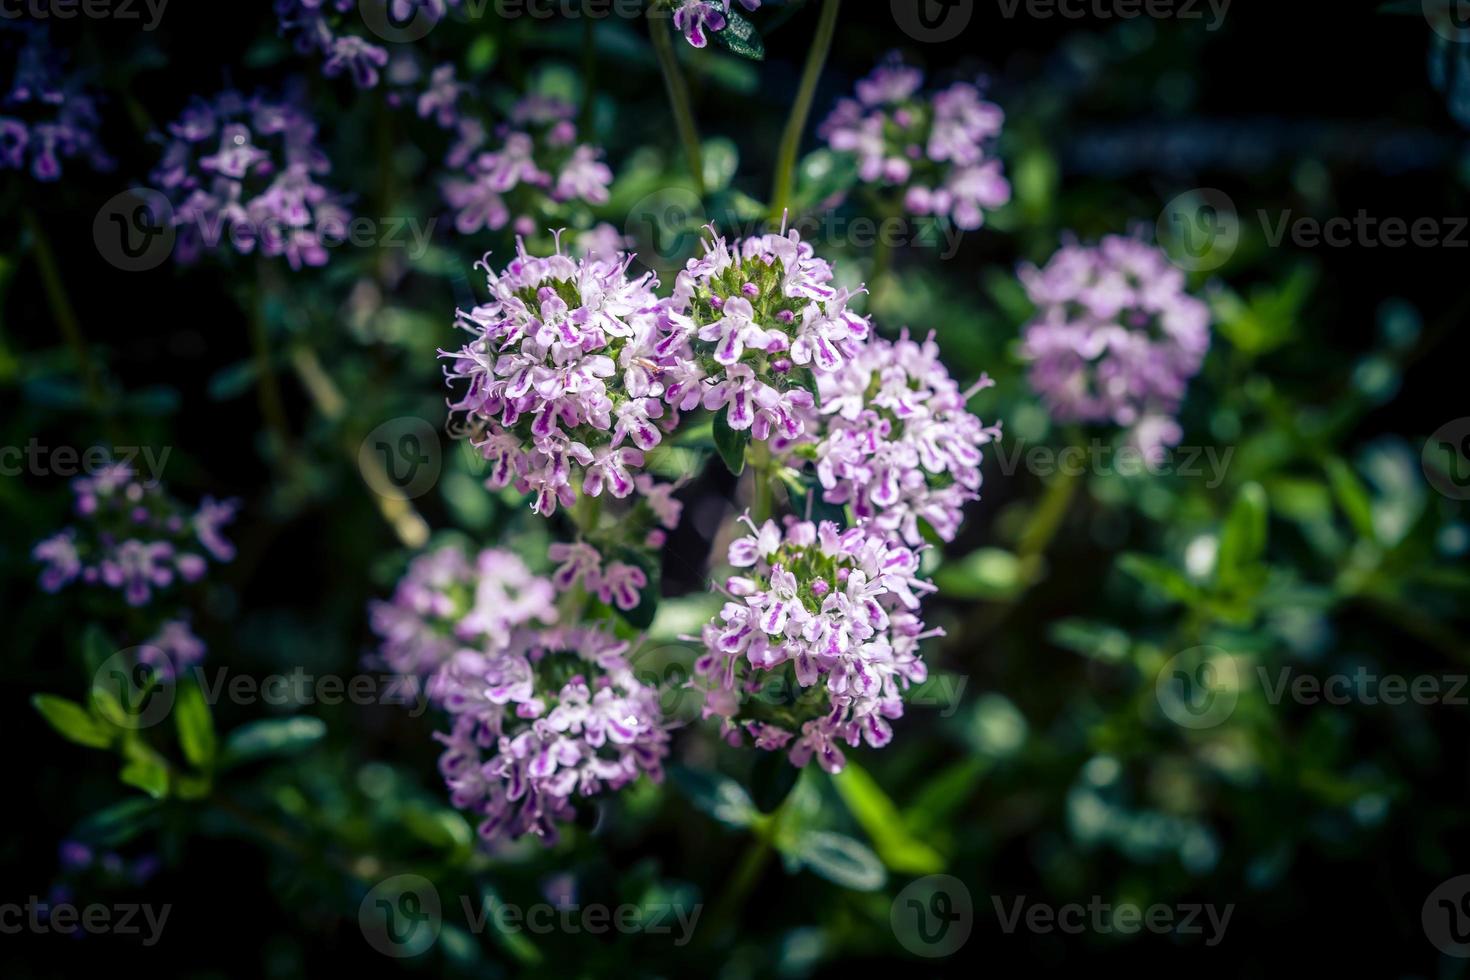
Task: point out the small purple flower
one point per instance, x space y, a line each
694 16
244 170
831 613
935 149
448 600
131 536
527 739
46 114
1116 338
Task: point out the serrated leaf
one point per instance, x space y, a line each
729 443
73 722
271 737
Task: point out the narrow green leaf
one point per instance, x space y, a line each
1352 497
73 722
729 443
271 737
1160 576
720 797
1243 539
196 725
884 825
118 823
839 859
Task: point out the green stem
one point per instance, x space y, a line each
668 63
748 872
816 60
589 73
762 504
62 310
267 386
882 253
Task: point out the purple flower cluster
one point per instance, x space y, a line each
133 537
448 600
1116 337
818 641
246 169
937 147
541 713
540 173
553 714
759 320
897 441
696 18
325 28
46 115
564 376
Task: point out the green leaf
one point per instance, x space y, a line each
839 859
118 823
988 573
1243 539
729 443
1160 576
196 725
145 769
741 37
884 825
772 778
1098 641
271 737
73 722
1352 497
721 159
720 797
